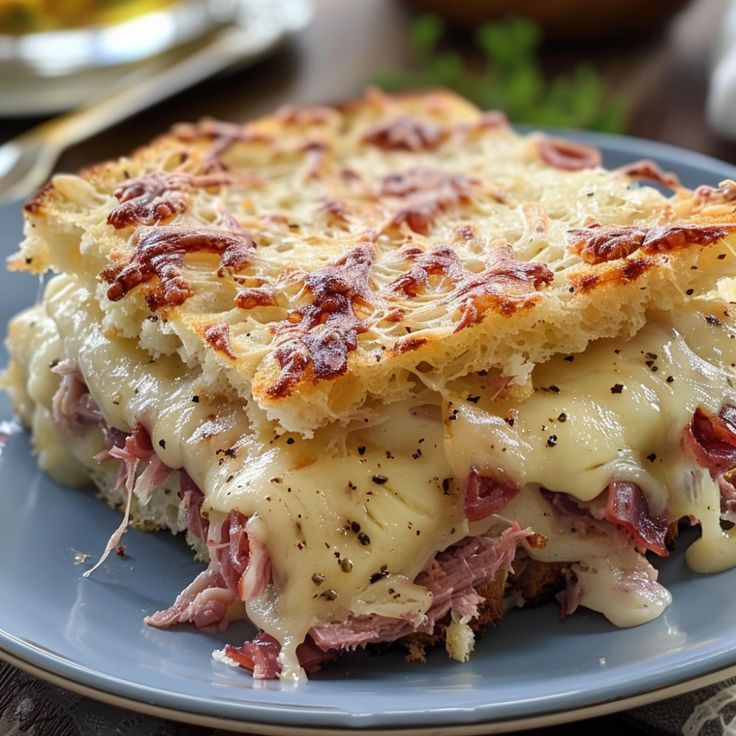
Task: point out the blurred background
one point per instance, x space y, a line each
638 67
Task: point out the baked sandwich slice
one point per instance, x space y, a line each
393 369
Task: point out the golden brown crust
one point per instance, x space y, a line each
38 202
538 581
614 242
491 610
464 231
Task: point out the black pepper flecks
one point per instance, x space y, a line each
652 457
364 539
318 578
290 441
552 388
713 321
552 440
361 450
617 388
195 399
379 479
562 417
162 444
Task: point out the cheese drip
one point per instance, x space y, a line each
332 511
384 494
615 412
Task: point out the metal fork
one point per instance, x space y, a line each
27 160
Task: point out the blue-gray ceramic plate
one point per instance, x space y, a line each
89 634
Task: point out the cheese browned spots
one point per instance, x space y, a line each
219 223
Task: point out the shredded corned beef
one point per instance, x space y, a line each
240 568
117 535
113 438
451 577
205 602
136 451
485 495
232 551
260 656
627 507
154 475
137 448
257 573
72 406
191 495
711 440
244 564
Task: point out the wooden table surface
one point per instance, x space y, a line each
664 79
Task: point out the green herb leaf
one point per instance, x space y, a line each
511 78
425 34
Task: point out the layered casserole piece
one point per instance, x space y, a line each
392 368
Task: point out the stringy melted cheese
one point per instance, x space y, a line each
615 412
386 490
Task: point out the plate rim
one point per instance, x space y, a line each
28 656
479 728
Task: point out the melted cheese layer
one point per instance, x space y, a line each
615 412
338 508
386 490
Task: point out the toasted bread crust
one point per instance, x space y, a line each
534 582
367 250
